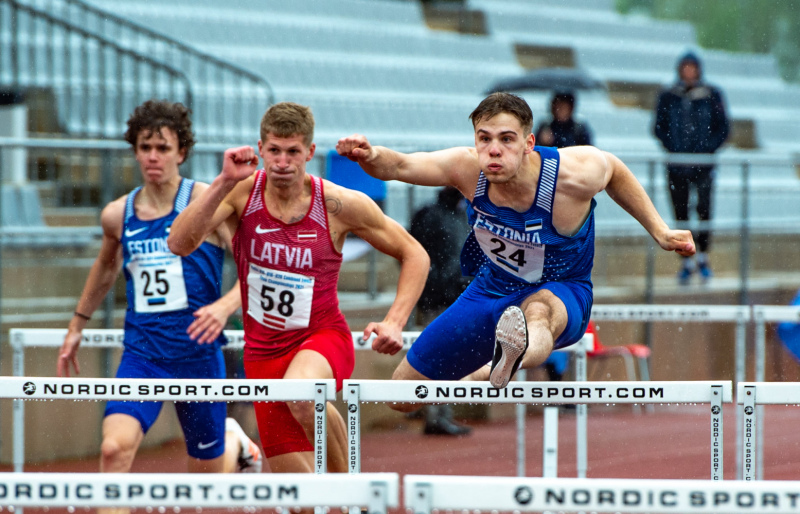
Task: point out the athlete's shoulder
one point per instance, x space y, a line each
579 157
112 217
339 197
582 169
350 209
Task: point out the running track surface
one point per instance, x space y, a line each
670 442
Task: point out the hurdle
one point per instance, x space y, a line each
21 339
714 393
426 493
752 396
741 315
195 390
376 491
763 314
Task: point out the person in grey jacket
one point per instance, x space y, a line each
690 118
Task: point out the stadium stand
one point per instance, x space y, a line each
377 67
374 67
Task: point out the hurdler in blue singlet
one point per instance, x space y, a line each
512 256
163 292
163 289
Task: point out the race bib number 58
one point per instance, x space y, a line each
279 300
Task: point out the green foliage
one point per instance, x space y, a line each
761 26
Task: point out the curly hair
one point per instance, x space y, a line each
153 115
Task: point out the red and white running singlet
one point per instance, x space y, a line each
288 275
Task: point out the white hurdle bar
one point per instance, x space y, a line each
763 314
376 491
741 315
22 338
425 494
714 393
194 390
752 396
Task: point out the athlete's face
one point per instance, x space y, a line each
285 158
502 147
158 155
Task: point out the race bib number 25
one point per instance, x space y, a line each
279 300
158 282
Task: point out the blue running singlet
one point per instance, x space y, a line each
163 289
510 250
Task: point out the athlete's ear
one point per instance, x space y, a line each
530 141
182 153
311 150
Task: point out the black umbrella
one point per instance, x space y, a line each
549 79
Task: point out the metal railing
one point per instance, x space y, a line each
96 81
227 100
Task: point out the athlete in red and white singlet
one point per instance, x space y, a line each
290 228
290 272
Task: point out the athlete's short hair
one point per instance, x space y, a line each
287 119
153 115
498 103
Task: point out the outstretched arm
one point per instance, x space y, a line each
99 282
205 214
440 168
365 219
623 188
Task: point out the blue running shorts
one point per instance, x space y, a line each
203 423
461 339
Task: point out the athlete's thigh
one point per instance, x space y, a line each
124 429
566 308
203 423
279 431
459 341
309 364
324 354
146 413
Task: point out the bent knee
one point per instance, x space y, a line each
116 452
303 412
405 371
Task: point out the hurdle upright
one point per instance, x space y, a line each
763 314
714 393
751 396
740 315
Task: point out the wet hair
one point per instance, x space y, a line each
153 115
498 103
287 119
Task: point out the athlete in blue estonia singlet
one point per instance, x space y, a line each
164 290
510 250
512 256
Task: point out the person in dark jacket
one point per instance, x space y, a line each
441 229
562 130
690 118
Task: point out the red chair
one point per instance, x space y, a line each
628 352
